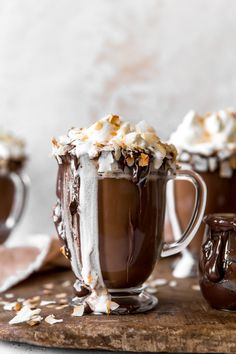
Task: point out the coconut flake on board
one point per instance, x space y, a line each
26 314
51 319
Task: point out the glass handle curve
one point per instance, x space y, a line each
21 184
172 248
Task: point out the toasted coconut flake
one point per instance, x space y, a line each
32 306
18 306
158 282
24 315
114 306
130 161
35 320
114 119
78 311
32 302
47 292
9 296
52 320
63 301
111 306
34 299
151 290
64 251
61 295
162 149
61 307
84 138
45 302
48 286
90 278
55 142
9 306
100 302
51 306
144 160
98 125
66 284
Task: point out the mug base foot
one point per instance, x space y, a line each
134 303
129 303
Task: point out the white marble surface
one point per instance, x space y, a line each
65 63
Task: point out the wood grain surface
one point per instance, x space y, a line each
182 321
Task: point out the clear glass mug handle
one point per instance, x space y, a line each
172 248
21 183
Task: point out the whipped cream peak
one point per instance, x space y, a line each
206 134
113 134
208 143
11 147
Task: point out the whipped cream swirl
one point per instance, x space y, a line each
208 142
109 137
11 147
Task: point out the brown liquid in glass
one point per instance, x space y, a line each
221 198
131 220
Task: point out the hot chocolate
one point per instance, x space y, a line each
218 261
221 199
111 205
126 209
128 241
207 145
12 160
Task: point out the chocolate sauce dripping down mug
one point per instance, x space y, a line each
130 226
218 261
13 194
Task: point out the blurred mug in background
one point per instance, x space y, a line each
13 183
207 145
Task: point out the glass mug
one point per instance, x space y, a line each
13 194
221 198
130 229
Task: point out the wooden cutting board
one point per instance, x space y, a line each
182 321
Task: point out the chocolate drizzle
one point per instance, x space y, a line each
214 253
65 221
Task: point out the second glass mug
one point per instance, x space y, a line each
13 195
130 229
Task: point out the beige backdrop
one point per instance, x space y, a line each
65 63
